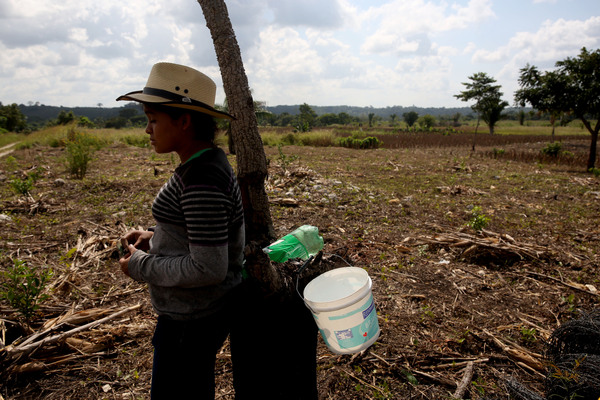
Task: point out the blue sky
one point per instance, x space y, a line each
321 52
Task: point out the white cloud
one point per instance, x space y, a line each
406 25
555 40
324 52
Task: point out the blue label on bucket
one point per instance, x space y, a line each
355 336
369 309
345 334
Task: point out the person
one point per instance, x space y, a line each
192 258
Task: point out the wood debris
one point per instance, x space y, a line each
487 242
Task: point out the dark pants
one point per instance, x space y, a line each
273 348
184 357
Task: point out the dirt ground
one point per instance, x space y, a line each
449 297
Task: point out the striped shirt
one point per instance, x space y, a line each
196 252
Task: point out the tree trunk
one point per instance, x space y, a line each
594 144
251 160
265 366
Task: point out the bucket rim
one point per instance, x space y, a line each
331 305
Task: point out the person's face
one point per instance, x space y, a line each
165 132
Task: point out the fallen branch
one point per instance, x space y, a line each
464 383
569 285
519 355
487 240
19 350
458 364
440 380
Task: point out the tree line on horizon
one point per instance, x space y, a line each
27 118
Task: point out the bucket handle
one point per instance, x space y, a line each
303 267
298 276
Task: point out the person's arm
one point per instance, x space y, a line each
206 213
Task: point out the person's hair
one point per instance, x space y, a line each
204 125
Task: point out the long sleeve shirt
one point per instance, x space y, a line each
196 252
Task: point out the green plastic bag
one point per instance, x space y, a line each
302 243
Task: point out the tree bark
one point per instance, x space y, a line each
260 342
593 145
251 159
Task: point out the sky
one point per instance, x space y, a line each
361 53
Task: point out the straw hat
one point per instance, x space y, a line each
179 86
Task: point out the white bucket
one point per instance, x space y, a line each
342 305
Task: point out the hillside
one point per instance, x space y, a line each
40 114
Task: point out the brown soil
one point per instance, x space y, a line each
445 294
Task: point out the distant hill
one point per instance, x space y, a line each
40 114
384 112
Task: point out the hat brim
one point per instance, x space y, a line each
141 97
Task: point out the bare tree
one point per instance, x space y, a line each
251 160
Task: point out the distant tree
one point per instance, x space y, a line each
327 119
491 112
65 117
371 116
128 112
488 103
99 105
521 117
456 119
116 123
284 119
307 118
12 119
542 91
427 121
345 118
85 122
410 118
574 87
393 119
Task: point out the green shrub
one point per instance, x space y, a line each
136 140
11 163
80 147
497 152
354 143
478 219
285 160
22 287
85 122
552 149
290 139
24 186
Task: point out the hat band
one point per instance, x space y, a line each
174 97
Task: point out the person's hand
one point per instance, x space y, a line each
130 243
124 261
139 239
